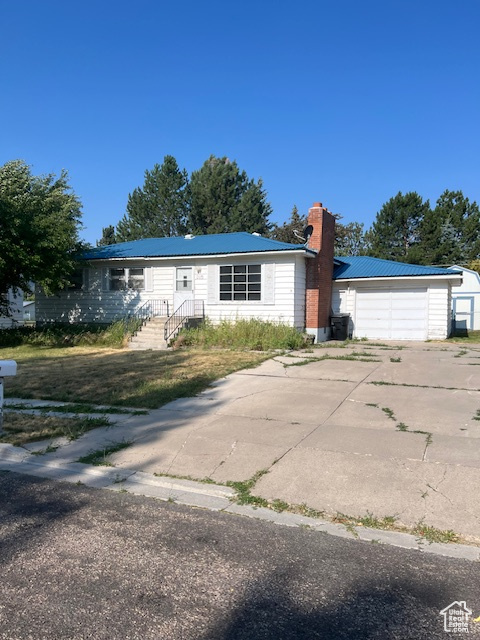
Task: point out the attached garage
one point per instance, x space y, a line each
392 314
390 300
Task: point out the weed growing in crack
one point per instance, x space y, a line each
244 488
389 413
395 359
50 449
432 534
384 383
171 475
279 505
99 457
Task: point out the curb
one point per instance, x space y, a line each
210 496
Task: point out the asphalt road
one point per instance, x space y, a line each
82 563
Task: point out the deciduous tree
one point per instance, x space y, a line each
39 225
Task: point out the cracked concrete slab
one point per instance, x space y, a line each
201 455
255 430
386 444
245 459
332 370
437 410
357 485
462 451
305 401
433 368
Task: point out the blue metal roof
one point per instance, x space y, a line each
218 243
366 267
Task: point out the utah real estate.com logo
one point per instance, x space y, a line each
456 617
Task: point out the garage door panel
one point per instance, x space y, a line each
375 314
409 314
406 323
391 314
379 303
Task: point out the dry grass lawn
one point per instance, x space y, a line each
124 378
22 428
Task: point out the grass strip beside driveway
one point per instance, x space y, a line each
20 429
146 379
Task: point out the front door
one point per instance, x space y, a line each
183 286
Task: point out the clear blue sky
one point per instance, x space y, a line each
345 102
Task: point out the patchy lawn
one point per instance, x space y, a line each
21 428
123 378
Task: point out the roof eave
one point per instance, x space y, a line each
438 276
309 253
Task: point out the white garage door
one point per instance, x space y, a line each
391 314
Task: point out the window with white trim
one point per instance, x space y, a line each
184 279
241 282
122 279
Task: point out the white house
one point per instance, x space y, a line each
16 305
242 275
466 300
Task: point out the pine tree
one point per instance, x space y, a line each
286 232
224 200
395 234
451 232
160 207
349 238
108 236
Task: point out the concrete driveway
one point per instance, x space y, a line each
391 430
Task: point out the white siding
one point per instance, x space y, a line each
299 292
283 292
279 273
466 300
439 311
16 306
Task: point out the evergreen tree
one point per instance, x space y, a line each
349 238
224 199
108 236
395 234
286 232
450 233
160 208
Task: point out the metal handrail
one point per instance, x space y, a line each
188 309
151 309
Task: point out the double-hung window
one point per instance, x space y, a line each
241 282
128 278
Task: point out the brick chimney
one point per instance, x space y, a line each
319 273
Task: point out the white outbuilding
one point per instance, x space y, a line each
466 300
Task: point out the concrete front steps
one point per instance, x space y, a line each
150 336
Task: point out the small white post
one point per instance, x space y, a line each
1 405
7 368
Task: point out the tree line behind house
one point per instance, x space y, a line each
221 198
40 221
